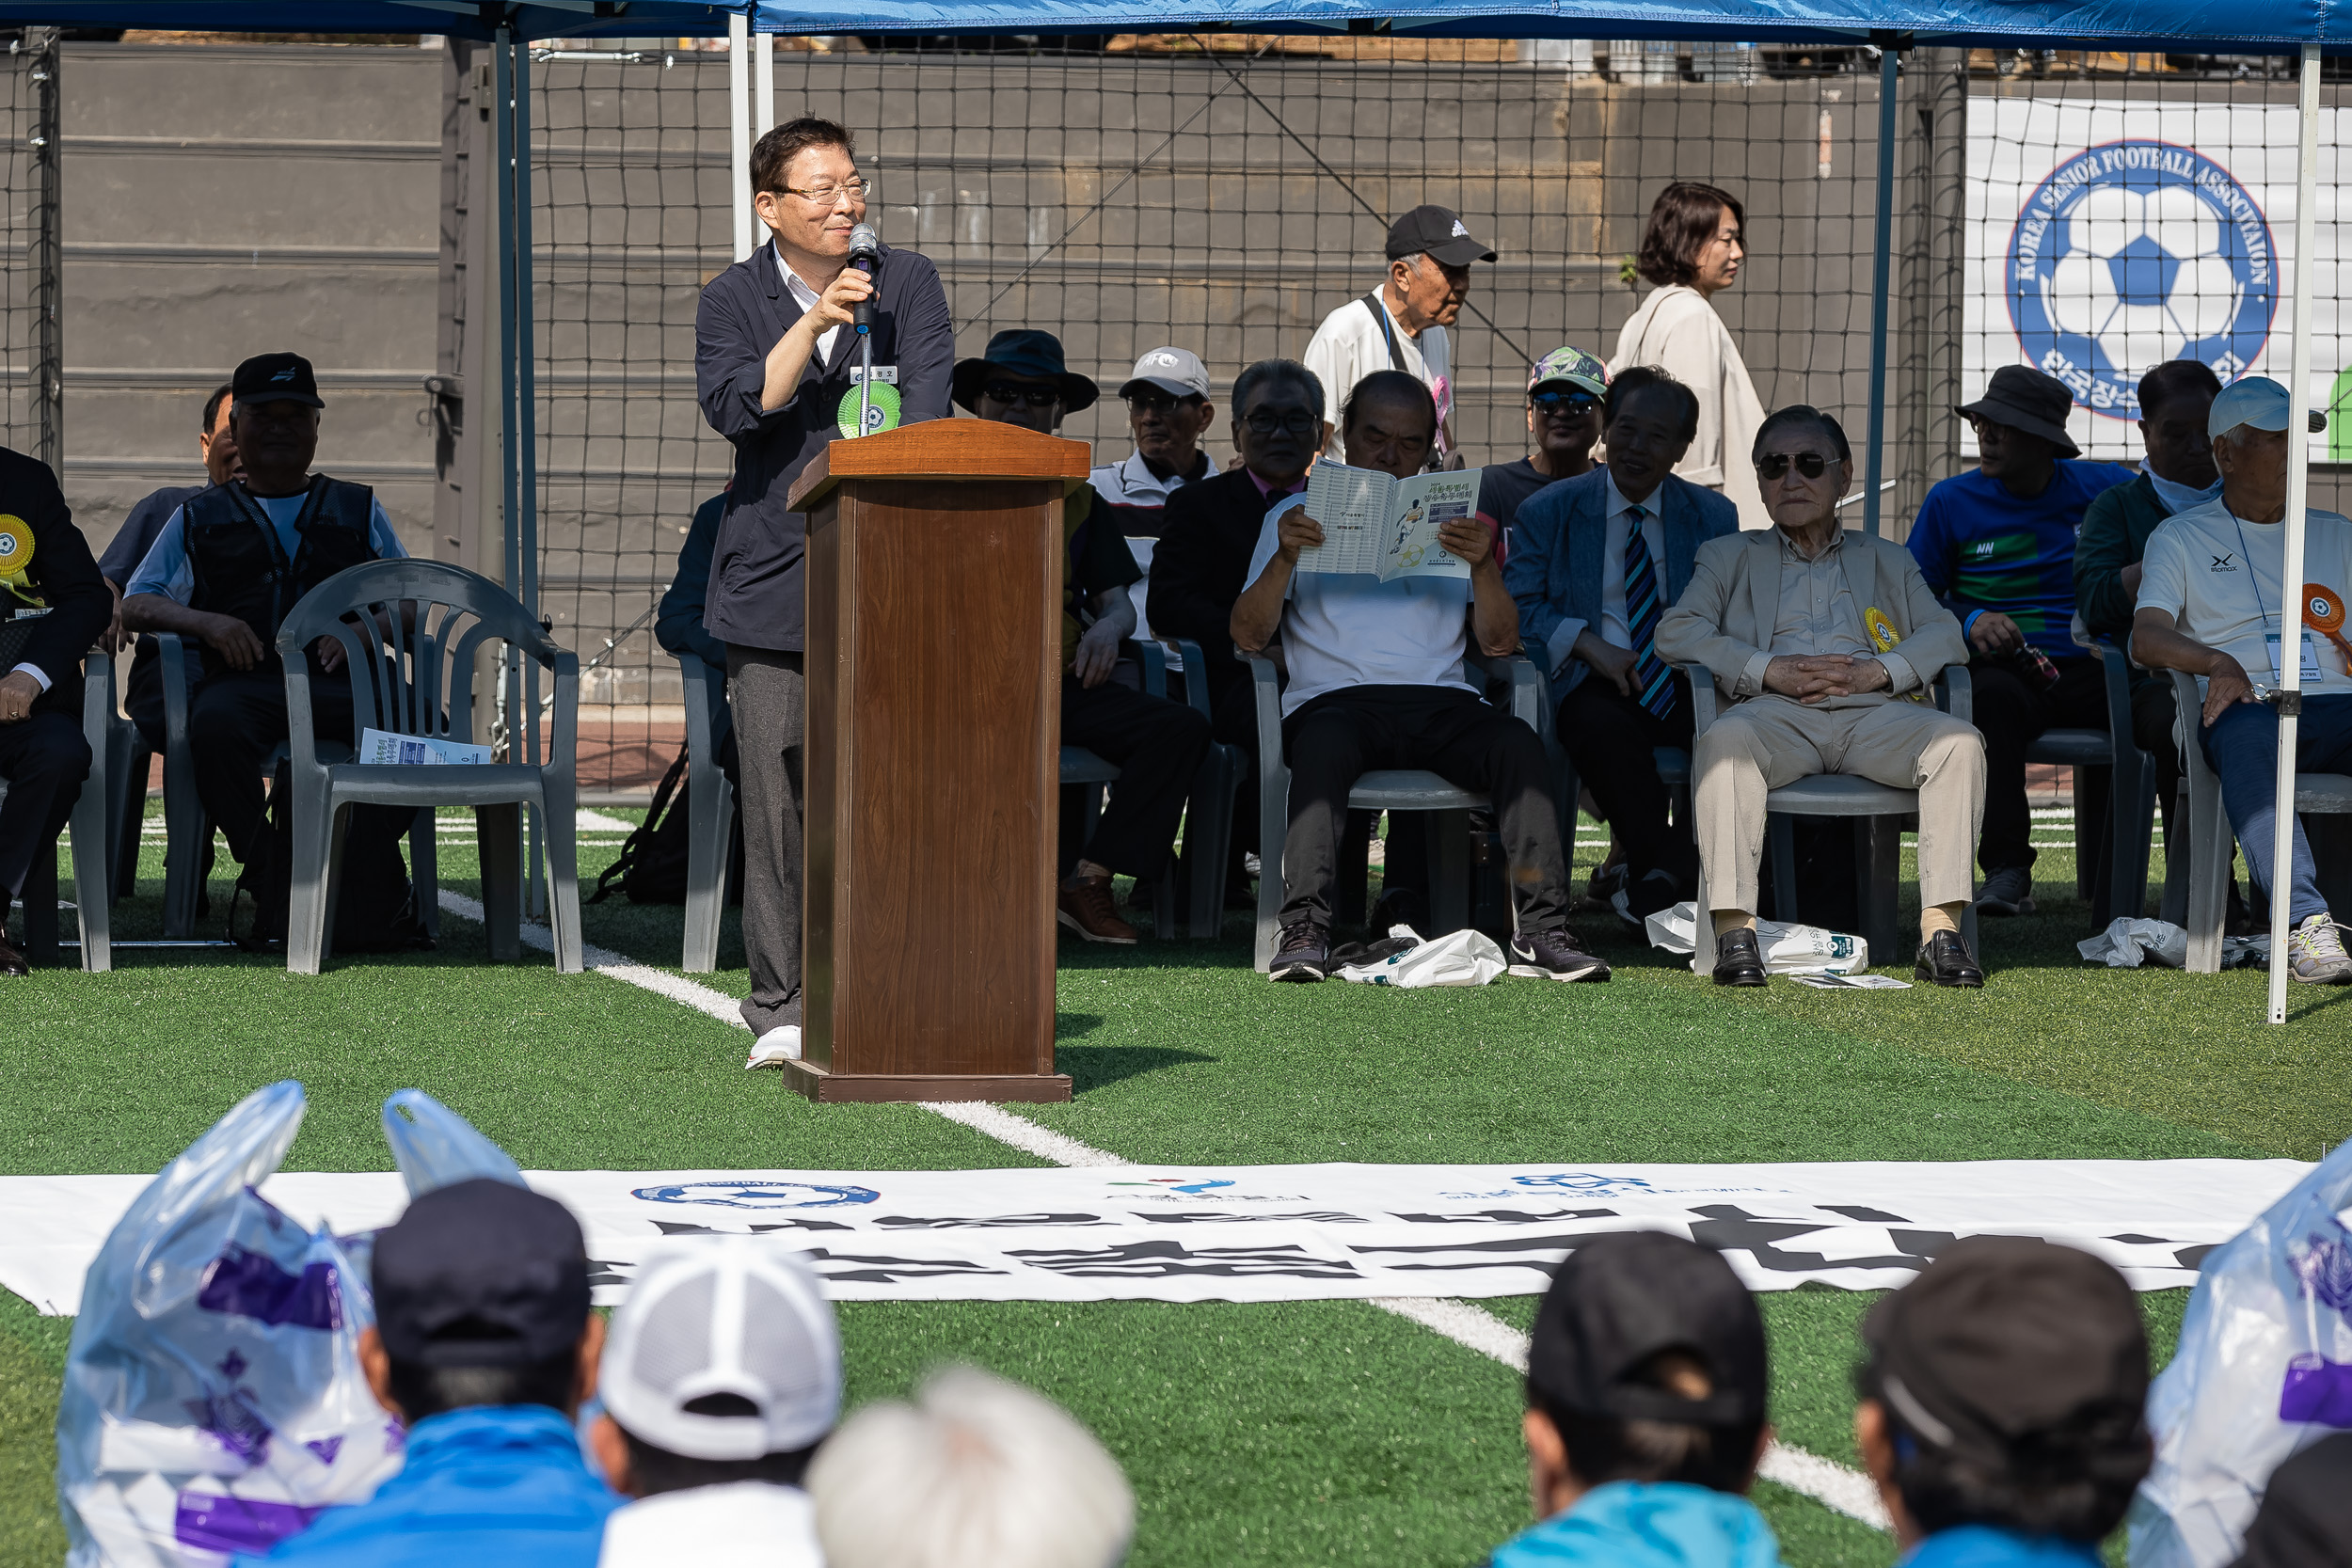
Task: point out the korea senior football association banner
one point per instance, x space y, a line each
1279 1233
2104 238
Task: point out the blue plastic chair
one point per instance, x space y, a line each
411 631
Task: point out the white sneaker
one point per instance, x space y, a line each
2316 953
781 1044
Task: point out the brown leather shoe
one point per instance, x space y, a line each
12 962
1086 909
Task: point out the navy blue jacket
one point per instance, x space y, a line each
136 536
756 596
1558 543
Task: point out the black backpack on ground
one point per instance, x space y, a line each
651 868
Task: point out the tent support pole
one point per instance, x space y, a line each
525 429
1881 253
763 84
2291 595
503 89
739 129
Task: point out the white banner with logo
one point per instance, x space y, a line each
1281 1232
2106 237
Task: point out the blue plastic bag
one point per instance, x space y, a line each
2264 1368
214 1401
435 1146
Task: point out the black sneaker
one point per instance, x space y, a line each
1944 960
1303 953
1553 955
2009 891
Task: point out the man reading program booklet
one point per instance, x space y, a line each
1375 525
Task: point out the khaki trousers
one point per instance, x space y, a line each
1771 741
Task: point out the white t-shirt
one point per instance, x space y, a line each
2218 576
1350 345
1342 631
745 1524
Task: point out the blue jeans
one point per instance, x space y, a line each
2242 748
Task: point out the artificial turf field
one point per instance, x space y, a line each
1311 1433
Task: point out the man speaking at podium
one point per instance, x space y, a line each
774 348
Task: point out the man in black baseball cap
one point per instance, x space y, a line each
2001 1405
484 1347
1402 326
1646 1388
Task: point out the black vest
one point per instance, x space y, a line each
241 569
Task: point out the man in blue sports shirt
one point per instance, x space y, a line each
1997 545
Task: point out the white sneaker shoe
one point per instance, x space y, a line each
781 1044
2316 953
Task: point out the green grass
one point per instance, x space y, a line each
1305 1433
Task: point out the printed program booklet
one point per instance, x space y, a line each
1375 525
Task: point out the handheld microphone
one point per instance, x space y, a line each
866 254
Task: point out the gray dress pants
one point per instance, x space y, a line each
769 695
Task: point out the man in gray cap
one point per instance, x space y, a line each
1997 545
2211 603
1401 326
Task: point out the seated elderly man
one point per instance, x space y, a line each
1377 681
2210 599
1156 744
1596 562
1816 636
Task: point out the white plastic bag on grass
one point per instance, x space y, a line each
213 1401
1788 949
1464 958
2265 1368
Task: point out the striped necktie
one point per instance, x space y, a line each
1653 683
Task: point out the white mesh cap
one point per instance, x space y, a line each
738 1316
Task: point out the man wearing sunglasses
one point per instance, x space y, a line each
1563 393
1595 563
1156 744
1997 545
774 348
1787 621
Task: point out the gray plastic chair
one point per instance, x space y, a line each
411 672
1881 810
1209 811
2107 765
88 831
188 828
1381 789
2212 846
709 821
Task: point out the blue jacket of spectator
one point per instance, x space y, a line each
1648 1525
1559 548
493 1484
677 625
1987 1547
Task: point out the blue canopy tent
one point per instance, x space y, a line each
2307 28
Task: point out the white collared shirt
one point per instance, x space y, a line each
1617 528
806 298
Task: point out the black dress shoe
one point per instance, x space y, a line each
1944 960
1739 961
12 962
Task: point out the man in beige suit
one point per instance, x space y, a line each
1817 637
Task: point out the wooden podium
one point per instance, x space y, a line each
932 761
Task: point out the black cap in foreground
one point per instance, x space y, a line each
1438 232
276 378
2305 1520
481 1273
1621 1298
2004 1337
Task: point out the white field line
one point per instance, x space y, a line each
1831 1484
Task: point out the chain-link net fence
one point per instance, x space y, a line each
2092 213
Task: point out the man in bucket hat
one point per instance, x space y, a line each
1157 745
1997 545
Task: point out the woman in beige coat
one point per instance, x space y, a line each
1692 251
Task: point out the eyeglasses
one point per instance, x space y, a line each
826 195
1162 402
1811 464
1298 422
1014 396
1564 403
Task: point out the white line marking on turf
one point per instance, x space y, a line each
1831 1484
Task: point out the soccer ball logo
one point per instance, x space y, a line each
2132 253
